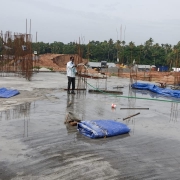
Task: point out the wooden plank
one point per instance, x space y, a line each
81 89
92 77
136 108
104 91
131 116
118 87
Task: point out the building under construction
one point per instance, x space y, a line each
16 57
150 74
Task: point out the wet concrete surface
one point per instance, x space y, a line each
36 144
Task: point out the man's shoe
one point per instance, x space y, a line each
68 92
72 92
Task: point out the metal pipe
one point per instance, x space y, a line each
131 116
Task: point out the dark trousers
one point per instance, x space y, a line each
71 80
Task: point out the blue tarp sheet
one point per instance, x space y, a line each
102 128
7 93
156 89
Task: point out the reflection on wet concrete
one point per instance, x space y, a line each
100 109
73 106
70 102
25 128
174 112
53 151
146 94
131 101
70 108
103 141
18 111
131 104
174 115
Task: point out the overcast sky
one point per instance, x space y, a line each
98 20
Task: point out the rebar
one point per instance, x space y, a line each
16 55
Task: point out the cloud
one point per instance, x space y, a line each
66 20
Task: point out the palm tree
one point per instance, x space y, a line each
123 43
155 51
167 48
140 51
110 43
170 59
149 43
118 46
131 45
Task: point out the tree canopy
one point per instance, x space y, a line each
148 53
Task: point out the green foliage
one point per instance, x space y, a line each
50 68
150 53
36 67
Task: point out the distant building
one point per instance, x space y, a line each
98 64
145 67
176 69
163 68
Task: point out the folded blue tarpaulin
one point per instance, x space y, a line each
156 89
102 128
7 93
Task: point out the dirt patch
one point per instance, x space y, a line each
57 62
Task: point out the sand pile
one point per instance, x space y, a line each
57 61
46 60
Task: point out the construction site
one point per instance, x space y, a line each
39 142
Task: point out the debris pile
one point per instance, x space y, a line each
72 119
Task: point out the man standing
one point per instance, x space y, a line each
71 73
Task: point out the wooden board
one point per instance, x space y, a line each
104 91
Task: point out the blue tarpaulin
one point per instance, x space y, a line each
156 89
102 128
7 93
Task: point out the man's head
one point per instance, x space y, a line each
72 58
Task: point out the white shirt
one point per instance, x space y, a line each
71 71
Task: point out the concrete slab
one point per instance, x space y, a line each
36 144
